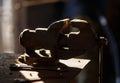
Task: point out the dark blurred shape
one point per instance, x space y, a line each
107 25
75 8
44 14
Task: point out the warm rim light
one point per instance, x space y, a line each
79 20
39 82
75 62
30 75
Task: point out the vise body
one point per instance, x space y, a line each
64 39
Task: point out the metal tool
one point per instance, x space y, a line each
17 67
64 38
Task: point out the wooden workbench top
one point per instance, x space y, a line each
70 67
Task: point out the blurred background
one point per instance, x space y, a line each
16 15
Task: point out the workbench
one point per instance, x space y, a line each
71 69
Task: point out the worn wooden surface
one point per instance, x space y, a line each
7 76
88 74
32 76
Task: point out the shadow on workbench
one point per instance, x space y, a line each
89 73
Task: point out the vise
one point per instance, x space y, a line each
63 38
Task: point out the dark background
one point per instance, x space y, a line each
42 14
